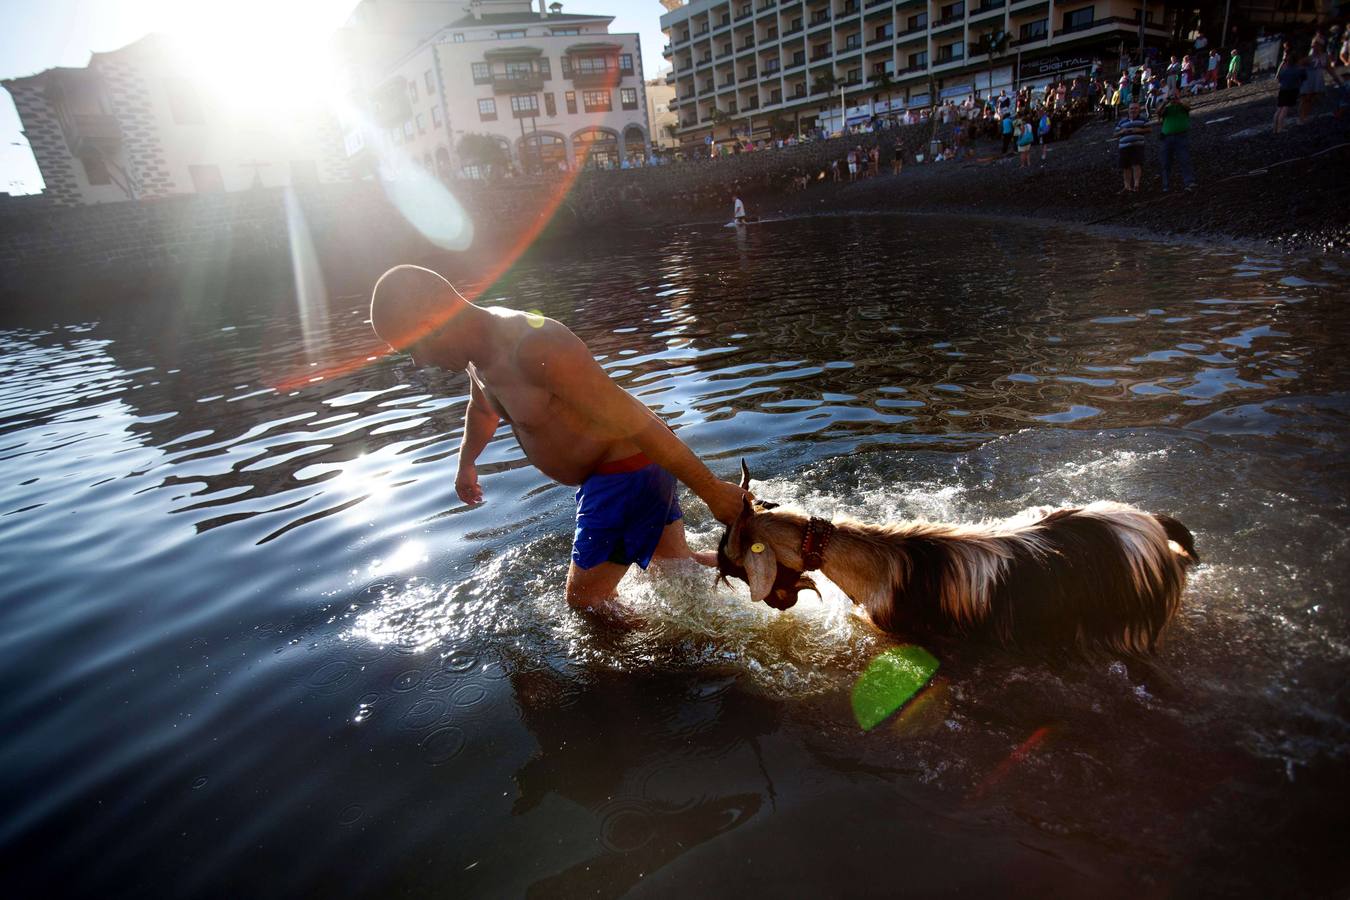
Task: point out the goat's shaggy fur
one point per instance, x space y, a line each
1103 577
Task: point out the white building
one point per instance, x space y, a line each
137 123
553 90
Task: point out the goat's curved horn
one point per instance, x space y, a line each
745 475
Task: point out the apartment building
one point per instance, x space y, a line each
663 120
739 64
554 90
139 123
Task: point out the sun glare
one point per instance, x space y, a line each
262 59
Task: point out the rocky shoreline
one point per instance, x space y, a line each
1287 190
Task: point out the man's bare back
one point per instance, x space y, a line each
572 421
559 438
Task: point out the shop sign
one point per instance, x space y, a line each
1054 65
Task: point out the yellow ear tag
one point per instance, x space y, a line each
756 548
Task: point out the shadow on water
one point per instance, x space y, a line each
256 646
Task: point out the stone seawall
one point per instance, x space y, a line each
355 223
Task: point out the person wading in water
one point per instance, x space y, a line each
574 424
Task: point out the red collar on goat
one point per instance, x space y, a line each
814 541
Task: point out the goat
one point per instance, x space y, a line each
1105 577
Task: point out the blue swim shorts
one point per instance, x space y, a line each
621 511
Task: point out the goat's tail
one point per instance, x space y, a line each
1181 536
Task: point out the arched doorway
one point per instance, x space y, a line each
596 148
634 145
544 152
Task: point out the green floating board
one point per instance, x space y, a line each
889 682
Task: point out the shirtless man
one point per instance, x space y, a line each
575 425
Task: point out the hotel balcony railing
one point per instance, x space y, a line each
884 39
949 21
525 113
853 43
1085 26
820 57
872 3
791 31
988 7
517 84
819 20
773 68
913 32
946 60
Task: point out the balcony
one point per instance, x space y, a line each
1082 26
949 22
752 103
666 51
850 8
528 113
987 7
820 19
517 84
883 39
86 132
916 31
772 67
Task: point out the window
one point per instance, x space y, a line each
95 169
953 11
524 105
421 123
1078 18
481 73
412 91
304 171
545 70
435 117
628 98
550 106
853 42
510 35
1032 31
487 110
565 32
458 38
883 31
206 179
430 82
853 76
571 98
918 60
594 65
184 105
919 21
951 52
597 101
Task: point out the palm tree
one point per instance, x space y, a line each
824 83
882 82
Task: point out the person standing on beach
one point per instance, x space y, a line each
1006 126
1176 126
1314 86
1290 76
898 160
573 423
1130 134
1234 69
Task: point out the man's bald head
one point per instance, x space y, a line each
409 303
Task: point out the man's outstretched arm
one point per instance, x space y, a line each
565 366
480 423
